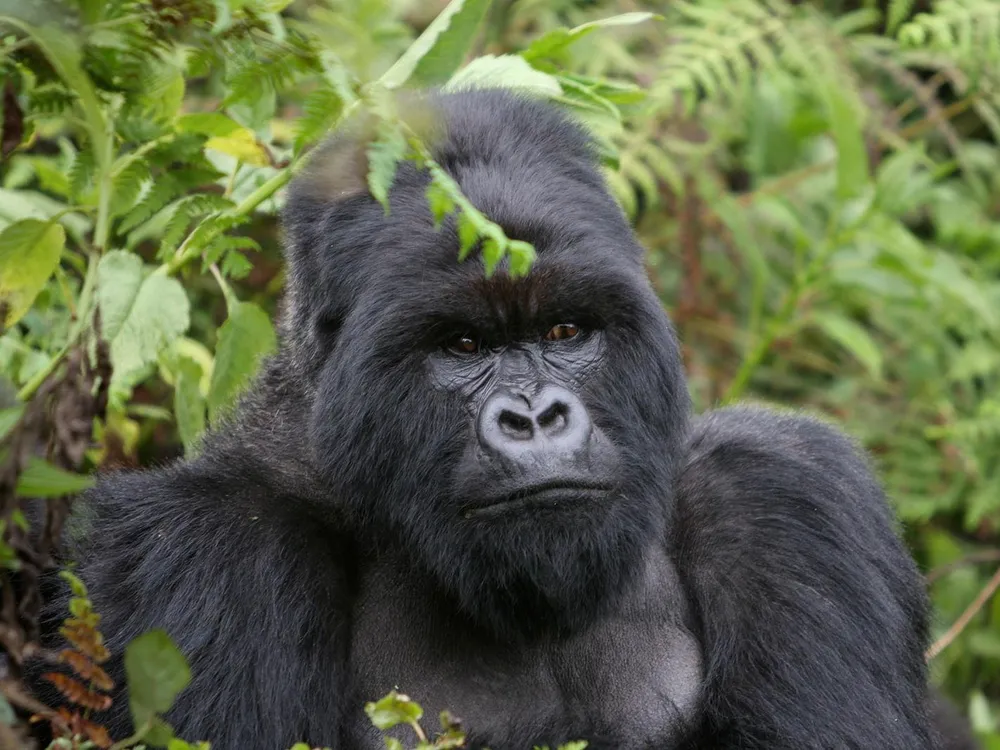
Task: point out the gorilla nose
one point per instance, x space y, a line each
554 421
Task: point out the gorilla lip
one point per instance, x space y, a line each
552 494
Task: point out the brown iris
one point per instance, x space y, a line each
465 345
562 331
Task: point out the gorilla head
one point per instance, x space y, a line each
445 405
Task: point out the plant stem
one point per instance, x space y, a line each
106 185
227 291
777 325
85 307
134 738
188 252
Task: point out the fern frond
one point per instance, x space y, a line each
968 31
50 100
127 186
266 66
163 189
222 245
81 173
980 429
320 111
720 46
182 212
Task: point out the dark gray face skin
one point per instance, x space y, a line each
536 445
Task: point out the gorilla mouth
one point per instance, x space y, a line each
551 495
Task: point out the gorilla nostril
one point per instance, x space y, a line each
517 426
554 419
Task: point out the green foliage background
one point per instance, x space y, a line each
818 184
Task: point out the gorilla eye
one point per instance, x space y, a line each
562 331
464 345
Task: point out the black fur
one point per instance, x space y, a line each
732 581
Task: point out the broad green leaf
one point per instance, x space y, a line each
159 313
508 71
119 276
189 404
242 145
852 156
9 418
853 338
245 339
384 155
161 734
440 50
29 254
157 672
29 204
213 124
63 52
42 479
226 136
555 42
392 710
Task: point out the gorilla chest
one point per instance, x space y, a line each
630 680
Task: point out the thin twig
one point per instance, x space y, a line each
976 558
960 624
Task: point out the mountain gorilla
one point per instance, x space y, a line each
490 492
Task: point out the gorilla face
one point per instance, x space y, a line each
500 429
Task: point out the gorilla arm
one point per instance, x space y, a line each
813 616
213 553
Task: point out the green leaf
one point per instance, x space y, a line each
158 314
42 479
508 71
392 710
242 145
556 41
522 257
245 339
440 203
899 11
852 337
29 253
214 124
119 276
226 136
852 156
440 50
384 155
63 53
157 672
161 734
8 418
468 234
189 404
